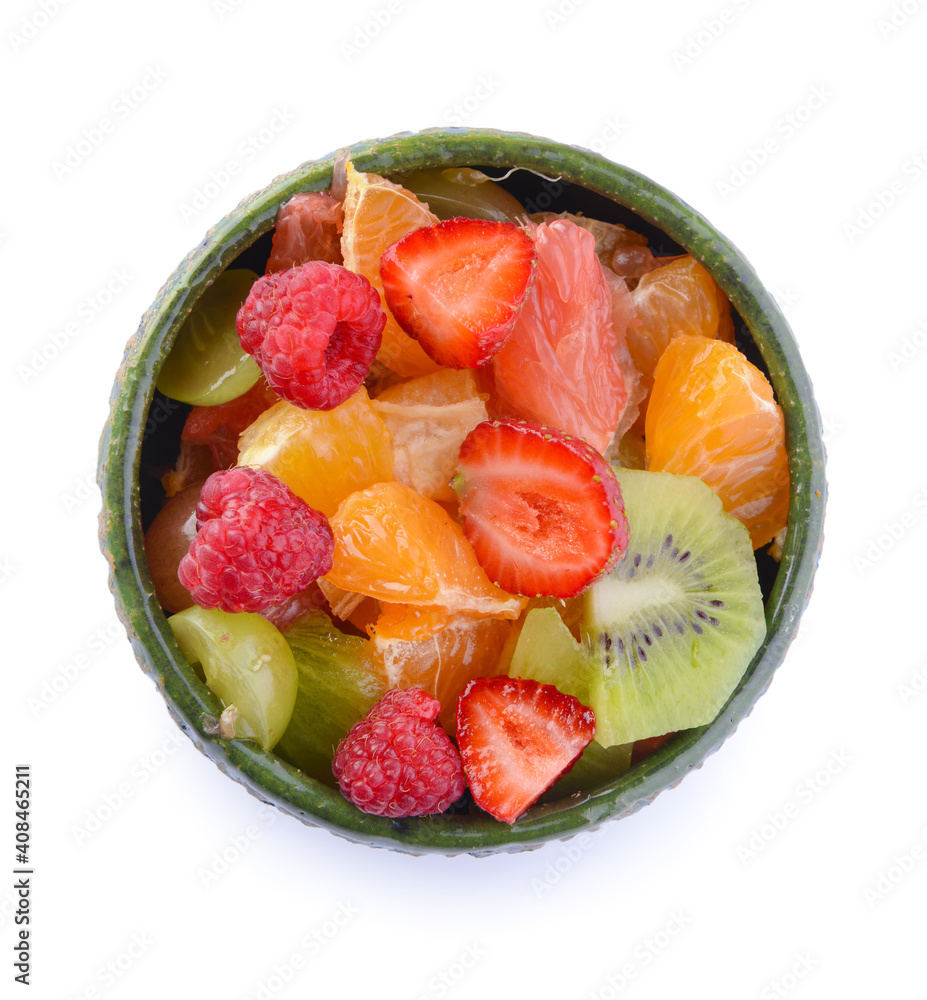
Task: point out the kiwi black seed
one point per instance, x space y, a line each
672 629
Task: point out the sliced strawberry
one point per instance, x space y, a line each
542 510
516 738
457 286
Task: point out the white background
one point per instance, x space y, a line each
795 861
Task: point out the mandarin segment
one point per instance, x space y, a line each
440 388
397 546
679 298
426 442
377 213
426 647
322 455
713 415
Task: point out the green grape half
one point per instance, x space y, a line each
454 191
247 663
207 365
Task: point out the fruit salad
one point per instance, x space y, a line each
467 500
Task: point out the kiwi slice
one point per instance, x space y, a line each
338 683
672 629
547 652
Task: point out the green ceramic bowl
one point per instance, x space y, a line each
141 439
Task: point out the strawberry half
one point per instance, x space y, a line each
457 286
542 510
516 738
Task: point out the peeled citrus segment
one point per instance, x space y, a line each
322 455
427 440
426 647
440 388
397 546
559 367
680 297
609 236
377 213
358 609
713 415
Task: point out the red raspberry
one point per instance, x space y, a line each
256 544
397 761
308 228
314 330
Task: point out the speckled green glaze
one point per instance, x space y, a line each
190 702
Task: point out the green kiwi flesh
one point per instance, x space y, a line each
547 653
673 628
338 684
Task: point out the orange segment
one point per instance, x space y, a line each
440 653
377 213
440 388
680 297
322 455
427 435
713 415
397 546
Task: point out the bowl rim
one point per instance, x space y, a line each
120 527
